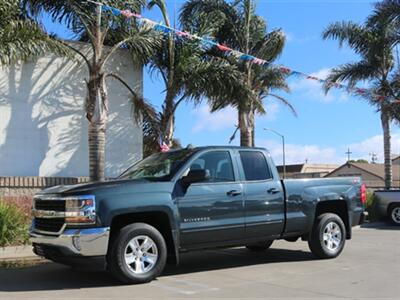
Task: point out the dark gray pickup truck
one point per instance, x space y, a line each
189 199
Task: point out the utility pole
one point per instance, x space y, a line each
283 149
349 153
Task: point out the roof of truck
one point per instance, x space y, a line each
227 147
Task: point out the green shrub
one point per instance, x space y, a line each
14 224
370 207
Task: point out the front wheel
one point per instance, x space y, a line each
328 236
394 214
138 254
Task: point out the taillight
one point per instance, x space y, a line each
363 191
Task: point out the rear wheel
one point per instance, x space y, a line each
328 236
260 246
394 214
138 254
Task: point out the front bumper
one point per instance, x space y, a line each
74 242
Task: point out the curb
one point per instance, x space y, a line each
17 253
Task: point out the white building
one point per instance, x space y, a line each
43 129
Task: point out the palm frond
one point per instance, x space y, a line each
385 11
285 102
270 46
351 72
356 36
23 40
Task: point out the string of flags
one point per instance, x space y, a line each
208 44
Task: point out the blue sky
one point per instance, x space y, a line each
326 126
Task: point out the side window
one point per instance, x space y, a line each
255 166
218 165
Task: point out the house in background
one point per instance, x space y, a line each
306 170
43 128
373 175
396 160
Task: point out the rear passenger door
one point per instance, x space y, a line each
263 196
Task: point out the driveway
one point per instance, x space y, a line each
369 267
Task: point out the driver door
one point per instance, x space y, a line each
212 211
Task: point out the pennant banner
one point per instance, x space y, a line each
208 44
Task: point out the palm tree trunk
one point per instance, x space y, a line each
248 116
97 145
385 120
246 130
97 106
253 129
97 111
169 132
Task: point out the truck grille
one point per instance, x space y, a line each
49 225
53 205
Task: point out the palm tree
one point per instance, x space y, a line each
235 24
388 11
20 37
101 29
188 75
374 45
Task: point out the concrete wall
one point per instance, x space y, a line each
43 129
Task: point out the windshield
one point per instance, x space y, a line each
158 167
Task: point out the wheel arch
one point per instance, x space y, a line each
390 207
338 207
159 220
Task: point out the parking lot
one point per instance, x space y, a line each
369 267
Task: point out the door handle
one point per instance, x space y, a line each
234 193
273 191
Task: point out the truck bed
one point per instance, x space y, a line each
304 195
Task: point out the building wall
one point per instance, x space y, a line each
43 129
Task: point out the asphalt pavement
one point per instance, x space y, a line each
368 268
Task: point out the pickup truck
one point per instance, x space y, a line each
387 205
191 199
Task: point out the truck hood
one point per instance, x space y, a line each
135 186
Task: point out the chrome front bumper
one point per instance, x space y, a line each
78 242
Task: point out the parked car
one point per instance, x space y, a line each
191 199
388 205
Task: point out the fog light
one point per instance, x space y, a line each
76 242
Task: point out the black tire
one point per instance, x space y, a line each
117 265
334 245
394 214
260 246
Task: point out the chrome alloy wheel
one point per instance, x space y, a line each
332 236
396 215
141 254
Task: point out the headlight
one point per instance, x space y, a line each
80 210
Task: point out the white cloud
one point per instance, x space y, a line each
313 153
289 36
204 120
313 89
272 110
207 121
374 144
292 38
296 154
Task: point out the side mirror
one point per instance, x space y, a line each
195 176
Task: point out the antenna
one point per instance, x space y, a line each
374 157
